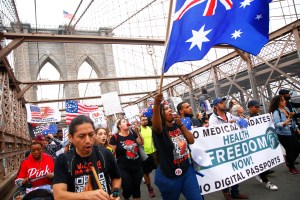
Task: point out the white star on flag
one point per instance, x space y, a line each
245 3
258 17
199 37
236 34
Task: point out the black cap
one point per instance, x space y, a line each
253 103
283 91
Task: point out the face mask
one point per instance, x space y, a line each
287 98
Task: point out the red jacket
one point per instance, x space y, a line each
32 169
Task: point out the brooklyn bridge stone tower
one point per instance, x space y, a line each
66 58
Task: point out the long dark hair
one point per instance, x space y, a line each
163 120
80 119
118 123
275 103
162 113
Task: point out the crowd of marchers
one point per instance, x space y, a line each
99 164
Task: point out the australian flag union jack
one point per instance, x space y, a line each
201 24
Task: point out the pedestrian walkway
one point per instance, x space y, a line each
289 187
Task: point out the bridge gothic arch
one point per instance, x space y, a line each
66 58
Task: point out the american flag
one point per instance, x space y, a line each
74 108
67 15
201 24
40 112
35 111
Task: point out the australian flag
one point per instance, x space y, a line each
49 129
201 24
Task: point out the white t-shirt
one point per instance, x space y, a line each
216 119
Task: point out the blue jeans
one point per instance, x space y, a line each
170 188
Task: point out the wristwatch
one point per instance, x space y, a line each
115 192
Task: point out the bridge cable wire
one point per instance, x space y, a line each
75 12
37 44
83 13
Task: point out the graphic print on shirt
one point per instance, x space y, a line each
131 149
82 181
180 151
34 173
82 173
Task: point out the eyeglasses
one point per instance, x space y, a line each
144 120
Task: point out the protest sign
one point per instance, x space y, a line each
99 119
236 154
65 136
42 114
131 111
111 103
175 101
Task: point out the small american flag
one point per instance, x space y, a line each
67 15
74 108
35 111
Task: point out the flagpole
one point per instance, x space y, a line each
167 37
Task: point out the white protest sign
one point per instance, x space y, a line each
65 136
42 114
111 103
99 119
209 108
240 152
131 111
176 101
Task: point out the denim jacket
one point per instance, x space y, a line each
279 119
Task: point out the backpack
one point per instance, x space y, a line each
39 194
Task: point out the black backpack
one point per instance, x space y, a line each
39 194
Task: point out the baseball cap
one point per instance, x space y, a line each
253 103
283 91
218 100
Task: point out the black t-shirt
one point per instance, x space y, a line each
173 151
196 122
127 152
74 170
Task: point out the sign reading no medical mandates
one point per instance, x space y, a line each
236 154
